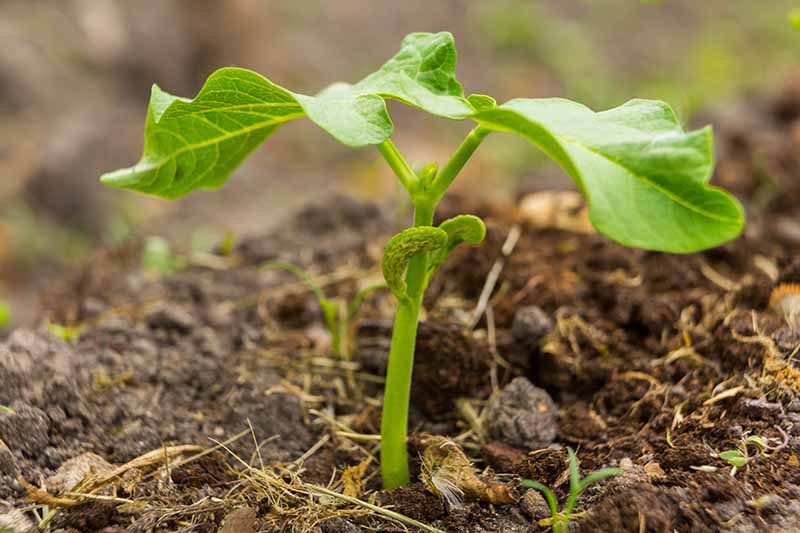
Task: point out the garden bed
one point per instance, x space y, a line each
148 419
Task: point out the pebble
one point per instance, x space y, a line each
534 505
530 324
75 470
523 416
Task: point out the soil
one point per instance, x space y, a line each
640 360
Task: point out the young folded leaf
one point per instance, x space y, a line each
459 229
403 247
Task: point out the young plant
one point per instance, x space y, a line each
560 520
336 313
644 178
741 456
5 313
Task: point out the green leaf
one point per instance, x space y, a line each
196 144
403 247
574 481
644 178
459 229
597 475
794 18
758 441
734 458
302 275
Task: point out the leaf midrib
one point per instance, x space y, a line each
230 135
647 181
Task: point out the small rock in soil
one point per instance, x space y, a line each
530 324
170 317
16 522
75 470
26 429
523 416
242 520
534 505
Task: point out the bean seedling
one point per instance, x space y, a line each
644 178
560 520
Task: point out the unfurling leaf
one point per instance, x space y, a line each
401 248
459 229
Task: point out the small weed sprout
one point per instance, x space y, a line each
5 313
66 333
741 456
158 257
645 179
337 314
560 520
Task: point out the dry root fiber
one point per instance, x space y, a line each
448 473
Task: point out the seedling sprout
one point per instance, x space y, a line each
560 520
644 178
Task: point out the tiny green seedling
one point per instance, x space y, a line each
337 314
5 313
794 18
157 257
560 520
67 333
645 179
741 456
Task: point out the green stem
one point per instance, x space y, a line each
399 165
394 420
457 162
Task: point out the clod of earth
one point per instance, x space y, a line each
530 324
523 415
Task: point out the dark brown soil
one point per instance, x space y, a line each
655 363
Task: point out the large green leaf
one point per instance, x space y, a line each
644 178
196 144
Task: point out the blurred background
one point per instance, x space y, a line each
75 78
